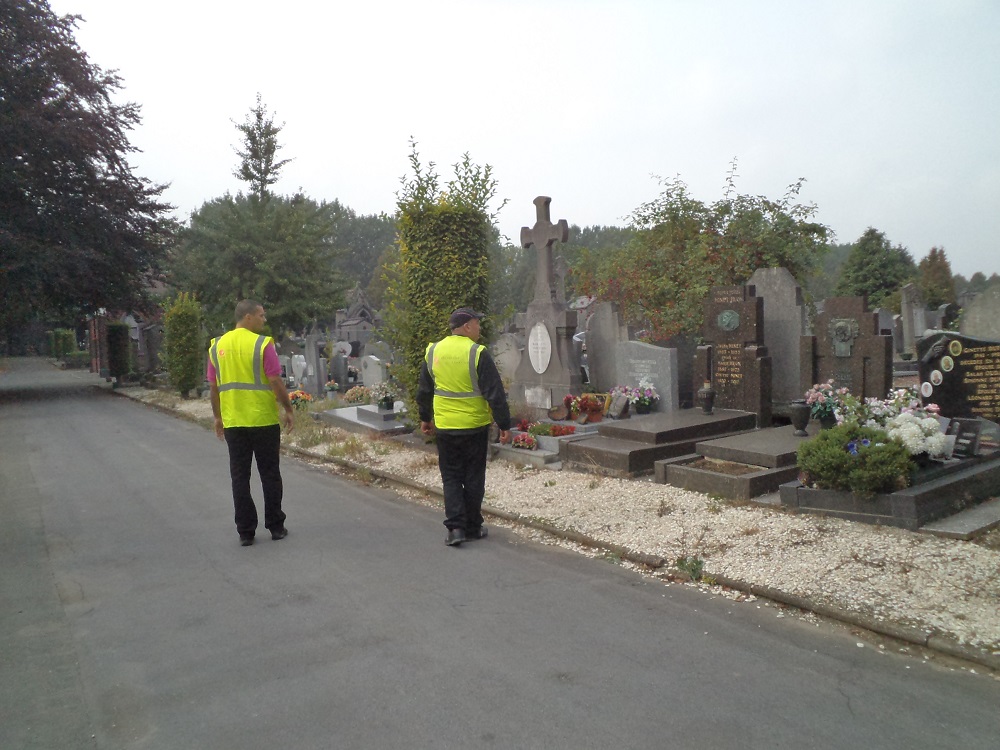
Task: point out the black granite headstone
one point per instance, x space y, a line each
961 375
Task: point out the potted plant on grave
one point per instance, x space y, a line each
525 441
920 433
643 397
384 394
851 458
826 403
331 385
299 398
357 395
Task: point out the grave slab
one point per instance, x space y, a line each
967 524
686 424
772 448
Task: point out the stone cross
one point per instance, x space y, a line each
542 236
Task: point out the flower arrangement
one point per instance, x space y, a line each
357 395
299 398
383 391
331 385
586 403
525 442
826 401
551 430
524 425
645 394
918 432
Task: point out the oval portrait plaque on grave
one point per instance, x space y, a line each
539 348
728 320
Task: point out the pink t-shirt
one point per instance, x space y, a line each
272 367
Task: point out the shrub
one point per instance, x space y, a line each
182 343
863 460
541 428
357 395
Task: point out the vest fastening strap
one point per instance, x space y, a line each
473 377
258 380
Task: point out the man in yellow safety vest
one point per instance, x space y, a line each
460 394
244 377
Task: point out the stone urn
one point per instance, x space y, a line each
706 395
800 417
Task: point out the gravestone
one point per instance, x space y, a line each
299 367
604 332
506 352
897 334
636 361
549 368
373 371
338 370
314 381
378 349
981 319
961 374
735 359
785 323
948 315
849 349
914 317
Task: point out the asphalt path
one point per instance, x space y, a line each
130 617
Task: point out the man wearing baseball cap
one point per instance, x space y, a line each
460 394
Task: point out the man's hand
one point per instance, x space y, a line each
218 429
504 436
427 428
289 419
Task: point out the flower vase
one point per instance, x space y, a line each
828 421
642 407
386 403
799 411
706 395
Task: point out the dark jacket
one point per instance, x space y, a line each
490 385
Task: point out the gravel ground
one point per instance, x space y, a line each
943 586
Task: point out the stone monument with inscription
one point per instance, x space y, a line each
961 374
785 323
549 368
849 349
735 359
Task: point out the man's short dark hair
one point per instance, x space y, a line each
246 307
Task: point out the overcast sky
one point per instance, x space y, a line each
890 109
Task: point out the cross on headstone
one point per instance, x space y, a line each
542 236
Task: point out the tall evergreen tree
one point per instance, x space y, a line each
935 279
79 230
275 249
260 144
875 268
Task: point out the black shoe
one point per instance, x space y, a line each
481 533
279 533
246 540
455 537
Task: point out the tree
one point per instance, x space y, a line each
682 247
260 145
277 250
444 239
935 279
78 229
362 239
875 268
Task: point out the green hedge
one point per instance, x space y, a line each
880 466
183 345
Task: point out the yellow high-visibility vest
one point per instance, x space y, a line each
458 403
244 391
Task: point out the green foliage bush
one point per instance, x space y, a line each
827 462
444 237
183 348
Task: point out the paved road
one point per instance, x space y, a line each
130 617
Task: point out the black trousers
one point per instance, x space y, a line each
264 444
462 460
